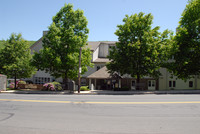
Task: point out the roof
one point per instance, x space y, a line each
103 74
108 42
101 60
100 74
36 43
93 45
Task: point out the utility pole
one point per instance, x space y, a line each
79 72
15 80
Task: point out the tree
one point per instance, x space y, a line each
60 54
187 40
15 58
140 50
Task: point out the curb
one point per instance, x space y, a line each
96 92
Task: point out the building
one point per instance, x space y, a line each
99 77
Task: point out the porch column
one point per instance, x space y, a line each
90 84
95 84
119 83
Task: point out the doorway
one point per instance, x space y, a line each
133 83
151 84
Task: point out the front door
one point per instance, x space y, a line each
133 83
151 85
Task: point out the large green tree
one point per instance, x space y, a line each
60 54
187 40
141 49
15 58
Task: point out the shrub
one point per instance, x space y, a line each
48 86
29 82
84 88
57 86
12 85
21 82
52 86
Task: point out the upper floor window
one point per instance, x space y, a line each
98 67
83 81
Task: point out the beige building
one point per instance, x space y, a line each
99 78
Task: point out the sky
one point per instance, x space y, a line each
32 17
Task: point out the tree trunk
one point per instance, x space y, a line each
65 80
138 82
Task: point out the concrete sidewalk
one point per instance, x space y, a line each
104 92
108 92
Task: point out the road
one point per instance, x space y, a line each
99 114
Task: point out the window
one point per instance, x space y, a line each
190 83
149 83
172 83
133 83
41 80
153 83
83 81
98 67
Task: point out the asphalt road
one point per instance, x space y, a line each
99 114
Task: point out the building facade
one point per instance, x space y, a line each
98 77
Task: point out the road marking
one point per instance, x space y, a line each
88 102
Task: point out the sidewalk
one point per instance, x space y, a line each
103 92
107 92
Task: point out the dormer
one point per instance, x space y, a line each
104 49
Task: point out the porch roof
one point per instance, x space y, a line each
102 74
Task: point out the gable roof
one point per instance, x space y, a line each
36 43
100 74
103 74
92 45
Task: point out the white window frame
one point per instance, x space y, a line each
151 84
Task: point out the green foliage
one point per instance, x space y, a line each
2 42
57 86
60 54
84 88
141 49
21 82
31 43
52 86
15 58
187 41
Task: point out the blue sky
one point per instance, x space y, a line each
31 17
